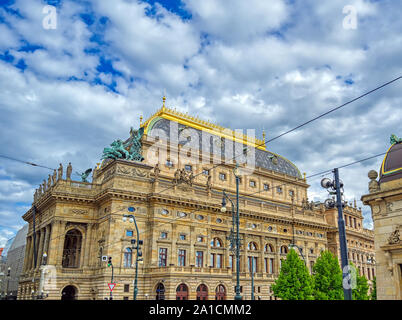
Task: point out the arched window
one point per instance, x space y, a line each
284 249
269 248
72 249
216 242
128 258
182 292
202 292
220 292
252 246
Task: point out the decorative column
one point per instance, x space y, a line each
42 232
173 254
27 253
35 251
47 240
277 266
88 245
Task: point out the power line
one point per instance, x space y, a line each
318 117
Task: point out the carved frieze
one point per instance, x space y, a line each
394 238
78 211
133 172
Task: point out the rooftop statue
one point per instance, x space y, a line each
394 139
85 175
131 150
134 144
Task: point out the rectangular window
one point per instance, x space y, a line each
199 259
212 261
205 172
169 163
222 176
269 265
252 183
266 187
200 239
163 235
182 237
218 261
187 167
126 288
182 258
354 222
252 261
129 233
162 257
231 262
279 189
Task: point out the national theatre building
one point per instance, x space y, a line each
170 175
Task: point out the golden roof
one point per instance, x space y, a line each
199 124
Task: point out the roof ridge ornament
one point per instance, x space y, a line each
394 139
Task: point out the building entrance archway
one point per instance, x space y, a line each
202 292
182 292
69 293
220 292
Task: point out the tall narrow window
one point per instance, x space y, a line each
128 257
182 258
199 259
218 261
162 257
231 262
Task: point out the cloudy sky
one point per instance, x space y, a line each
70 86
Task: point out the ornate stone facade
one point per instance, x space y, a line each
186 250
385 200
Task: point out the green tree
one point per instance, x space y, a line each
362 287
327 278
294 281
373 295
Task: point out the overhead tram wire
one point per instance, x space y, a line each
265 142
31 163
26 162
318 117
270 140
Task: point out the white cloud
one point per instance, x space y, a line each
262 79
237 20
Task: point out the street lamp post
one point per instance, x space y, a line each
252 278
41 295
139 252
236 221
8 281
336 188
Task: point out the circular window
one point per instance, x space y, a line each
200 217
253 226
219 220
182 214
165 212
269 228
285 230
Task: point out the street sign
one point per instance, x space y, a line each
111 286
